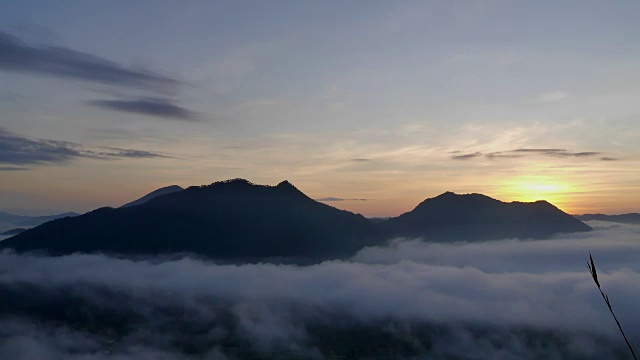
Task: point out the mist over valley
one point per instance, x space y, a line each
328 180
436 296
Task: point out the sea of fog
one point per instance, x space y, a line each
505 299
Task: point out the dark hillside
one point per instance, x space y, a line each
472 217
230 219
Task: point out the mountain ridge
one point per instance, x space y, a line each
10 221
457 217
228 220
158 192
628 218
237 219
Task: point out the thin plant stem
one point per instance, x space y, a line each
594 274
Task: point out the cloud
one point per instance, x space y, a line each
329 199
13 168
501 299
542 151
20 150
518 153
606 158
466 156
555 152
165 108
130 153
18 56
560 253
547 97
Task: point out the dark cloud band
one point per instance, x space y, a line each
330 199
18 56
518 153
153 107
20 150
13 168
466 156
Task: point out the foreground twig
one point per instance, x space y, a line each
594 274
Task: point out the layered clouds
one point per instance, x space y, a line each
503 299
521 153
16 149
18 56
346 101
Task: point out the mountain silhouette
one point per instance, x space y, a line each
237 220
631 218
13 231
231 219
473 217
162 191
10 221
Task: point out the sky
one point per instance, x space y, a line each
371 105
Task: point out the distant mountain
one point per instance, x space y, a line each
10 221
232 219
631 218
472 217
162 191
236 220
13 231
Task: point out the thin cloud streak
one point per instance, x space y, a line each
131 153
330 199
548 97
13 168
555 152
518 153
466 156
18 56
164 108
20 150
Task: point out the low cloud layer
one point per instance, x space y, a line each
502 300
20 150
525 152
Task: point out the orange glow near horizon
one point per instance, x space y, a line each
533 188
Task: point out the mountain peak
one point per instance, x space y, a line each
162 191
447 194
475 216
235 181
227 219
285 184
289 188
452 199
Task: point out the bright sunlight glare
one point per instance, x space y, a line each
538 188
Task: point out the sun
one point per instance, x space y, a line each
536 188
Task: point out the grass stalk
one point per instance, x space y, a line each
594 274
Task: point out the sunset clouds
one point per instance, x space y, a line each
390 102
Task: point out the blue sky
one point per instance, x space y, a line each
391 102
